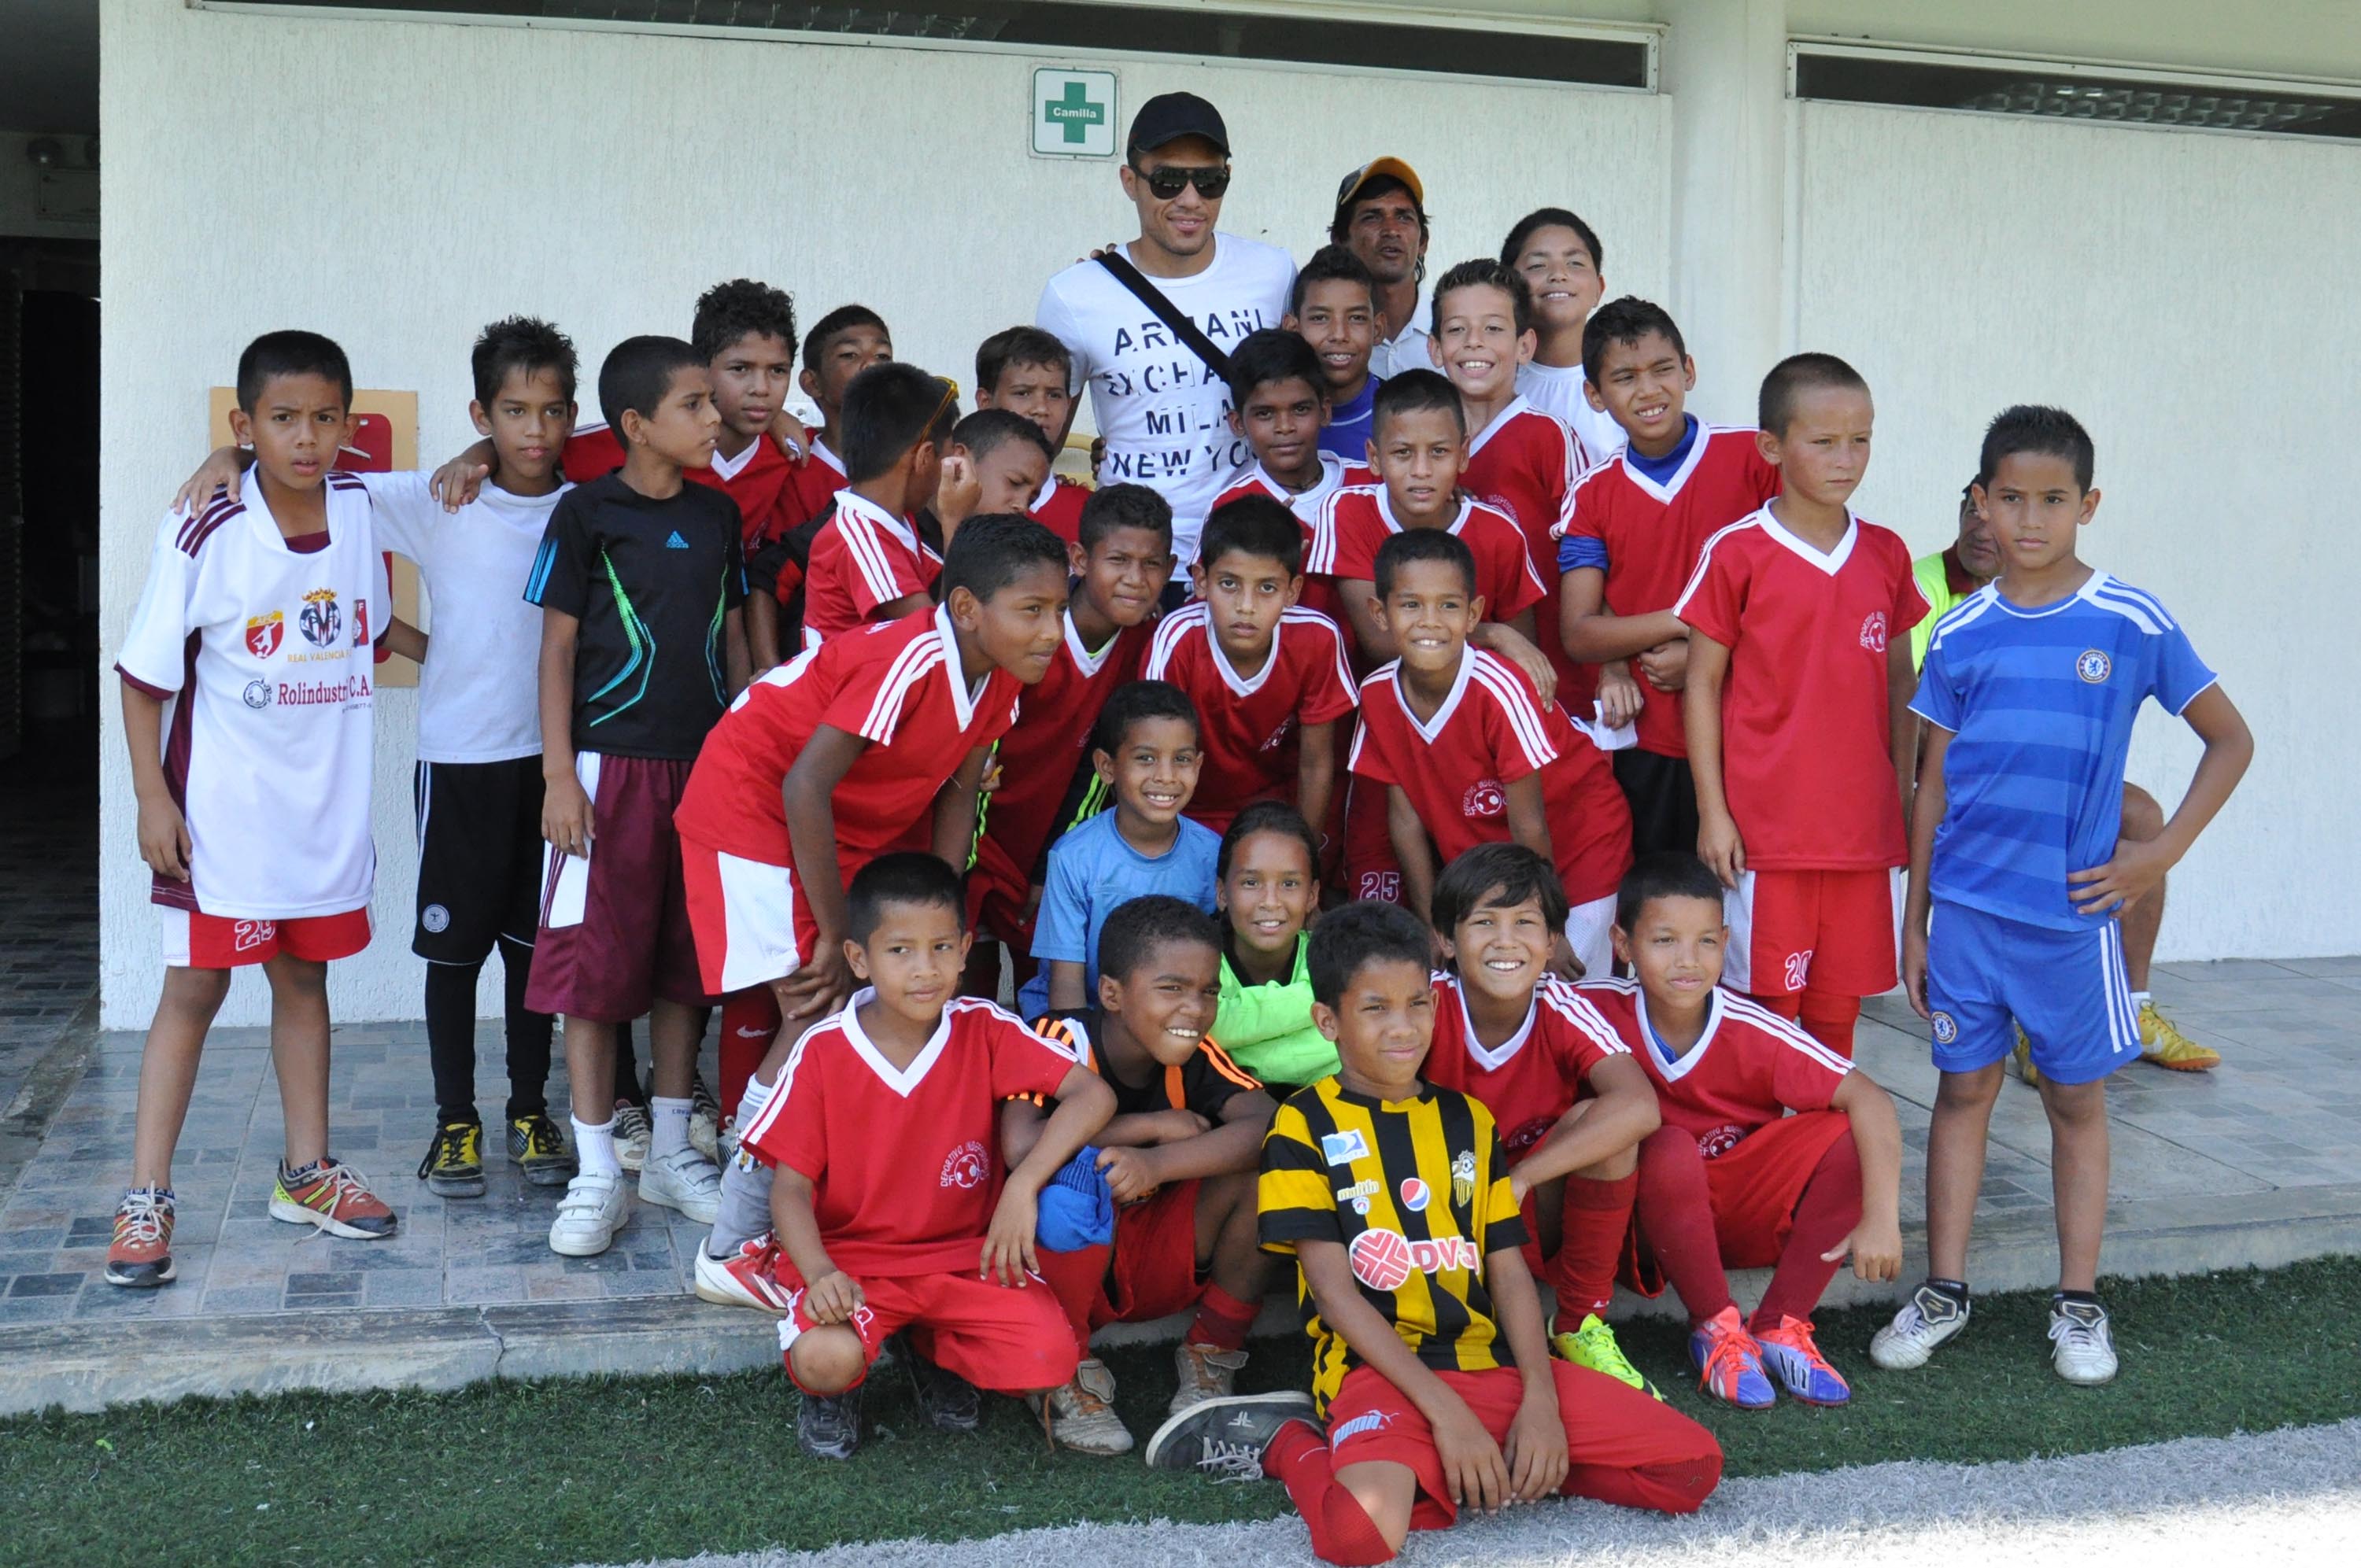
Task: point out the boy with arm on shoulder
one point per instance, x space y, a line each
254 816
2017 836
1562 264
1333 308
894 1207
1028 371
1431 1369
1796 708
868 561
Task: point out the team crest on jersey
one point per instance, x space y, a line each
320 617
1872 632
1344 1148
1414 1195
257 695
264 633
1463 1178
2093 666
1798 966
1486 797
967 1166
1713 1145
1947 1028
1526 1134
1279 736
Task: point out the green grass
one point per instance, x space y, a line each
608 1470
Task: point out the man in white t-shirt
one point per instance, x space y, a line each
1161 409
1381 218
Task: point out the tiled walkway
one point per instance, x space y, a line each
49 897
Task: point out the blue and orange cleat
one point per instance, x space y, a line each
1789 1351
1730 1362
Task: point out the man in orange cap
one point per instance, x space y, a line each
1381 218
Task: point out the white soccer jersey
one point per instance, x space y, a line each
264 655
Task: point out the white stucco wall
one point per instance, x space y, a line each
2186 296
396 184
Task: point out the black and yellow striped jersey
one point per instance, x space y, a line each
1417 1192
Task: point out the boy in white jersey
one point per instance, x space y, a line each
247 688
1562 263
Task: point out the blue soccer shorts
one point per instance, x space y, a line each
2066 989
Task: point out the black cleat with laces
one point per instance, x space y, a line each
454 1166
830 1429
949 1401
1225 1438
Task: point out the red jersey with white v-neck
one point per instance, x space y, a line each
1490 731
1042 750
756 479
898 686
1528 1081
1248 726
864 557
1652 534
1750 1068
811 484
1806 757
903 1162
1335 473
1524 463
1356 523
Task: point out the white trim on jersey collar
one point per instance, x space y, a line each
963 696
1494 1060
2086 594
729 468
1517 405
1042 497
835 465
1331 480
853 500
1430 730
1833 562
1672 486
1251 683
1714 1013
1090 664
900 1081
1386 512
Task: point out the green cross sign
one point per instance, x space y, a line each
1074 113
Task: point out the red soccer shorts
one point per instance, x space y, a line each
196 940
1834 931
997 894
1371 868
751 922
1153 1273
1009 1341
614 924
1753 1188
1624 1446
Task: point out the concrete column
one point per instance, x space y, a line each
1725 69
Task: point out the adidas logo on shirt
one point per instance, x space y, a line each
675 541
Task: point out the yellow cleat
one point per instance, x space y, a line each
2024 1055
1593 1346
2167 1047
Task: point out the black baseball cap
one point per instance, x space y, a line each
1168 116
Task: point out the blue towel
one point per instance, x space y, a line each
1077 1209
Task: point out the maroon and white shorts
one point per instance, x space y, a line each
614 934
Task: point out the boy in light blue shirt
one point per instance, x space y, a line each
1146 752
2029 691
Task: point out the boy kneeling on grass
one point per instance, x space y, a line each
1428 1366
892 1207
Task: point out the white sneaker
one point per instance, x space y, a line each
634 1133
744 1279
1925 1320
593 1209
2083 1345
683 1179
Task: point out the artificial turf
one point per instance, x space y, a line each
608 1470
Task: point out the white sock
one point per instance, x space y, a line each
671 1118
750 1103
594 1148
2139 1000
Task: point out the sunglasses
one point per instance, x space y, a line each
1167 183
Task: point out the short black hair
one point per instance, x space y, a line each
1019 345
1137 702
520 342
1494 876
1268 356
1348 940
1416 392
889 409
909 877
1794 375
1667 874
1415 545
290 353
2034 427
1268 817
986 430
1370 190
1254 526
1548 218
637 374
1331 264
1139 927
989 552
1111 507
834 324
1626 320
728 312
1486 273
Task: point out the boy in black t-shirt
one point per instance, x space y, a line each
640 579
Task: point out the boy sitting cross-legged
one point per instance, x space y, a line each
1774 1152
1179 1157
1571 1103
894 1208
1430 1367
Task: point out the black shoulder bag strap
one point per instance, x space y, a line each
1148 294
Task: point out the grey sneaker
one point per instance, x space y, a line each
1925 1322
1080 1416
1225 1438
2083 1345
830 1429
633 1133
1203 1373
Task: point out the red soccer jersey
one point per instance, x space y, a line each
1489 732
897 687
811 484
1651 535
1750 1068
756 479
1335 475
1529 1081
863 557
1248 726
1043 749
1357 520
1806 759
904 1164
1058 507
1524 463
